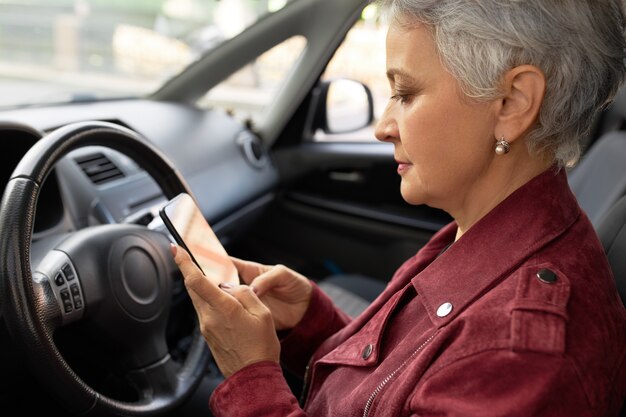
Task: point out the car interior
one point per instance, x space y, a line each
84 179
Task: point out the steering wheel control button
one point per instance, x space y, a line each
546 276
68 272
444 310
65 284
67 302
367 351
78 302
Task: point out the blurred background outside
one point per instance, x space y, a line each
79 50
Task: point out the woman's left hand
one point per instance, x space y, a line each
236 325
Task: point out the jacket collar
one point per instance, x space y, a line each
525 221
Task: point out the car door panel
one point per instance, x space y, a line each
336 196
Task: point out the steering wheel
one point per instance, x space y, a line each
115 277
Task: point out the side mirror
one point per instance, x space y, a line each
343 106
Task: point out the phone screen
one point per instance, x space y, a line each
189 228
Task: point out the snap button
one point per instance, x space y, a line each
367 351
444 309
546 276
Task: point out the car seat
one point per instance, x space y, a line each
352 293
599 180
612 233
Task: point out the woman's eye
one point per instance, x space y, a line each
402 98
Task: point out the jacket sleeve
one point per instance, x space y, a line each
504 383
321 320
258 390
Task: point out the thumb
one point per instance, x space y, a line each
272 278
184 262
194 278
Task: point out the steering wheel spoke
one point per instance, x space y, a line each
155 382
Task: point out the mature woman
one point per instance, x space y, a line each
511 310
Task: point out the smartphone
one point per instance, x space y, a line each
187 225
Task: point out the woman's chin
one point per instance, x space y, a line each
410 195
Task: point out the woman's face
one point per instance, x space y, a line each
444 142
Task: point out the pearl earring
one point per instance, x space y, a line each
502 146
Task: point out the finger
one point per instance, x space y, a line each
200 306
248 299
195 279
274 277
248 270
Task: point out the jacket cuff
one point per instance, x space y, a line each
256 390
320 321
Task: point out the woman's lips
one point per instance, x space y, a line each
403 166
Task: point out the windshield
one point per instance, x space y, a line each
56 51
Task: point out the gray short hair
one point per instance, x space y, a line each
578 44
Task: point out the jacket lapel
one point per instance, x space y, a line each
527 220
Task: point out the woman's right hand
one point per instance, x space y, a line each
284 291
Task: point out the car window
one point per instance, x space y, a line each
54 51
247 93
364 43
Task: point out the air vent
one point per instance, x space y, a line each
99 168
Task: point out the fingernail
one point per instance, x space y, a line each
225 285
173 248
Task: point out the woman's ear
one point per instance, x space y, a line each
523 90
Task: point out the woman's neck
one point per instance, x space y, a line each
493 188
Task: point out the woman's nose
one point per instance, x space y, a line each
386 128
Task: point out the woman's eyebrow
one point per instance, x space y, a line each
401 78
394 73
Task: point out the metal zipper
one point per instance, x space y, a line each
379 388
305 386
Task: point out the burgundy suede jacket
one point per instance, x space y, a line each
519 317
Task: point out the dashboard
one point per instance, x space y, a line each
224 164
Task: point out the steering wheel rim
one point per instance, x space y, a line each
27 300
